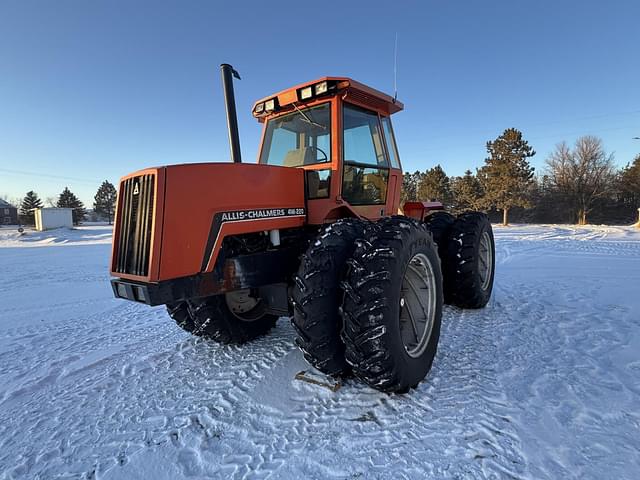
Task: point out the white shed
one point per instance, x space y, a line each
48 218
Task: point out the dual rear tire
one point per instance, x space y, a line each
398 274
470 261
467 255
368 298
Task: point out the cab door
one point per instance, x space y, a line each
366 178
395 184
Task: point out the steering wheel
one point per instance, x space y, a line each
326 157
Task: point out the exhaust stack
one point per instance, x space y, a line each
230 104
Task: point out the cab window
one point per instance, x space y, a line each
391 142
299 138
362 138
366 168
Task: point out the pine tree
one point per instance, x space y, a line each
105 200
467 192
29 202
434 185
629 183
507 177
409 191
68 200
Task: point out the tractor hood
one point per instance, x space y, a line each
170 221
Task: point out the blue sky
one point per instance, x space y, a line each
91 90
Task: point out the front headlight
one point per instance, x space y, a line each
270 105
305 93
321 88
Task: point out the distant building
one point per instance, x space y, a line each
8 213
49 218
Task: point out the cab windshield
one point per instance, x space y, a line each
302 137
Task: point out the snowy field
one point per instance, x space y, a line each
543 383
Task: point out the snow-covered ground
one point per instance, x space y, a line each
83 235
543 383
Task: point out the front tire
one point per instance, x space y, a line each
179 312
229 318
393 305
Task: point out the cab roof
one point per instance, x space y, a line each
353 89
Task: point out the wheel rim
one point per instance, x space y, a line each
243 306
485 260
418 302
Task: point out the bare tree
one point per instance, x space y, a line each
12 200
581 175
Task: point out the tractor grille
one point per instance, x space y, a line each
136 221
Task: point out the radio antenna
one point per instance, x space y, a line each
395 70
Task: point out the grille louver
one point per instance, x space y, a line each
366 99
136 221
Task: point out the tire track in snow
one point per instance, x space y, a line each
118 385
459 412
128 383
562 380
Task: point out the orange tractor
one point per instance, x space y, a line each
310 232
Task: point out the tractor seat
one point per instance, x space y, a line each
299 157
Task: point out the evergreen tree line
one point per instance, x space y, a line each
580 184
104 204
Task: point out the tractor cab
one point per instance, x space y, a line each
339 131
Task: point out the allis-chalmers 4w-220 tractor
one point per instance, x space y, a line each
310 232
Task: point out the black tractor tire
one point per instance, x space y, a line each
317 296
471 281
439 224
213 319
374 303
179 311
